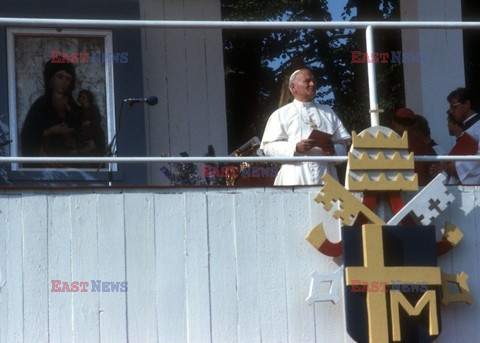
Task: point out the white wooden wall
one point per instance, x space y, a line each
222 265
184 69
426 88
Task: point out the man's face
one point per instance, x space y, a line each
453 128
304 86
458 110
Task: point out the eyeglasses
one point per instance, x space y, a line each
454 105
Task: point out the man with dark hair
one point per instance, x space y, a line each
462 109
461 95
404 120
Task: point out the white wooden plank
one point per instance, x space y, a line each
170 260
191 92
246 246
140 260
223 277
35 274
216 240
465 258
84 259
454 262
329 317
154 57
271 259
216 81
445 262
3 266
11 291
111 267
197 108
197 269
15 268
462 257
59 231
474 280
300 263
179 126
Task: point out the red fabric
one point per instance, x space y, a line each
466 145
396 202
420 148
369 200
405 113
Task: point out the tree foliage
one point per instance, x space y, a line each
257 61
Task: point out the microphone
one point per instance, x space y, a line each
150 101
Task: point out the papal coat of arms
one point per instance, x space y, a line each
393 287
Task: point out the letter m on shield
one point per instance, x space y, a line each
376 253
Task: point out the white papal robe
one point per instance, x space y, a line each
294 122
469 172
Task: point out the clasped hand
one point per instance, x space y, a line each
306 144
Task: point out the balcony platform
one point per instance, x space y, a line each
201 265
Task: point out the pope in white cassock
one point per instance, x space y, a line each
289 127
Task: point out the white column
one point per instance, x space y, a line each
428 84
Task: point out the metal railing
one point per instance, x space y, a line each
219 24
229 159
369 27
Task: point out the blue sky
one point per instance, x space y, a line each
335 7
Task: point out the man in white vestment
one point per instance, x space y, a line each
289 127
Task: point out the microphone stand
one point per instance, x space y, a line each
112 147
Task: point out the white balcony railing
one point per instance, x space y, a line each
369 27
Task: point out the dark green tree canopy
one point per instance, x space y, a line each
257 61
